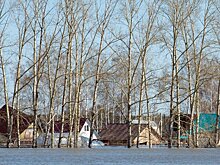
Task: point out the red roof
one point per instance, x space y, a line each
58 124
25 121
119 132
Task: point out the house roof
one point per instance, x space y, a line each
207 122
119 132
25 121
58 124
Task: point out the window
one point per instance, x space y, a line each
86 128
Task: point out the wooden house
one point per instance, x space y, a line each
117 134
25 121
207 128
84 127
26 129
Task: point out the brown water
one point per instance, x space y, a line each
107 156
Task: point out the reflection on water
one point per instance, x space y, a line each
113 155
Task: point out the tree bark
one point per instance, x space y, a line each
217 116
9 118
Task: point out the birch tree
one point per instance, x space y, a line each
129 10
197 60
42 44
176 13
216 32
3 17
22 23
72 25
53 77
217 116
150 33
9 119
103 18
5 89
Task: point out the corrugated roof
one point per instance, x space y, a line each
119 132
207 122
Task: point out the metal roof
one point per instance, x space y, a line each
207 122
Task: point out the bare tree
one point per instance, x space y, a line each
3 16
149 39
40 55
103 22
23 23
9 120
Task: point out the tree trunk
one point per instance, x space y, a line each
140 102
9 121
35 96
70 136
63 104
217 116
63 98
102 26
177 100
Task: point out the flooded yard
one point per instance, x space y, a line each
107 156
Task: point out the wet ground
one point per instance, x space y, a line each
108 155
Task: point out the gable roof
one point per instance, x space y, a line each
58 124
119 132
25 121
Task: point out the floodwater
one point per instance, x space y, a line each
109 155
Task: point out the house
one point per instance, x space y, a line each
117 134
207 128
184 127
27 135
26 129
24 122
153 125
206 131
207 122
84 127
